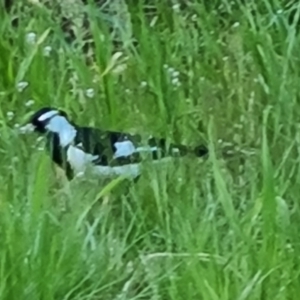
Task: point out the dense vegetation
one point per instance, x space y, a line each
225 74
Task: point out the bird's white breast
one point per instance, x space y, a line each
78 159
63 128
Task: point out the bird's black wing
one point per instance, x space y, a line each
118 148
102 143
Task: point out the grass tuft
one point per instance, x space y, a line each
220 73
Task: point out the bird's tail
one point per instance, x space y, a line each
178 149
182 150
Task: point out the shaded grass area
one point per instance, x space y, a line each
222 228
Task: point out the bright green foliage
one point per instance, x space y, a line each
224 73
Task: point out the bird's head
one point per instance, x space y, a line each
51 120
46 118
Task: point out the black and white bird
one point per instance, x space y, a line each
76 148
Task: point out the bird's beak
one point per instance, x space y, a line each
28 128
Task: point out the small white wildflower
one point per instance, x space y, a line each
90 93
175 74
29 103
236 24
194 17
22 85
10 115
26 129
31 38
47 51
171 70
176 7
228 144
175 81
39 139
238 126
143 84
79 174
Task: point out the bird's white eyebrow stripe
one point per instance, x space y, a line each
48 115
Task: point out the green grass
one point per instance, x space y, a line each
226 227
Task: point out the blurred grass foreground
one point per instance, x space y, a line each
222 73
